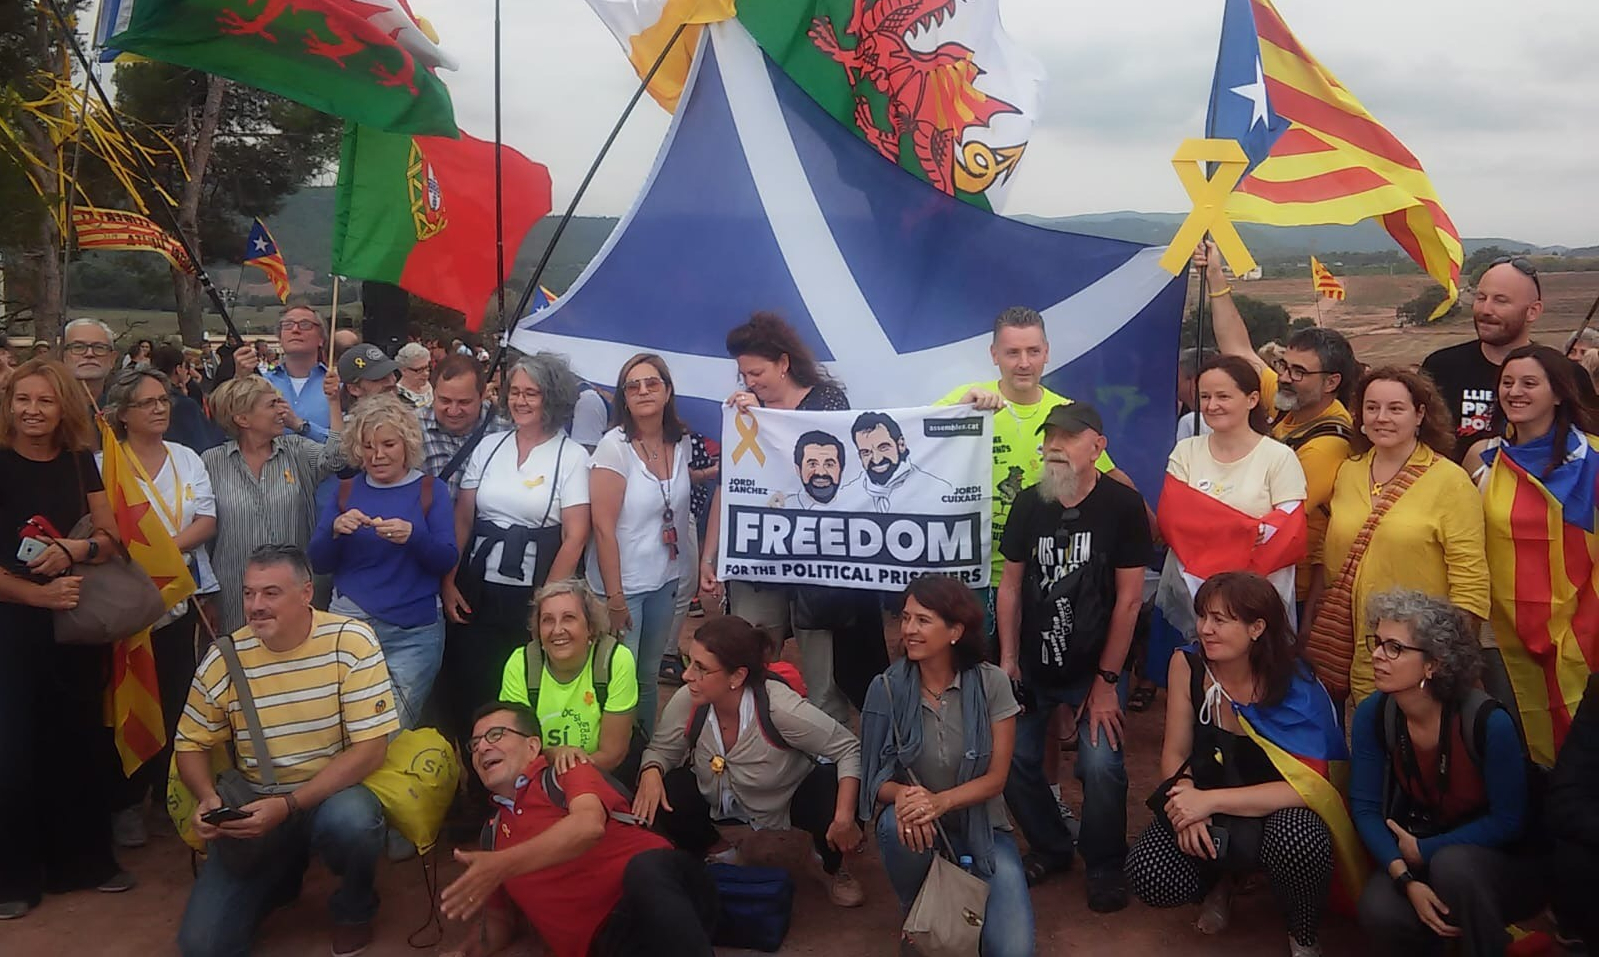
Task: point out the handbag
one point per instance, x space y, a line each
946 918
117 599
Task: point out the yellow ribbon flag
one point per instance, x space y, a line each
1210 203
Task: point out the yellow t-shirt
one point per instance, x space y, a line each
314 701
1320 459
569 714
1017 461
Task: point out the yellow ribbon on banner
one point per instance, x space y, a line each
1210 203
748 429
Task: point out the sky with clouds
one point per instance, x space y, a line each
1495 99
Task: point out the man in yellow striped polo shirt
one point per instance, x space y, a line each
326 710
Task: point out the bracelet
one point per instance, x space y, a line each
1223 291
291 802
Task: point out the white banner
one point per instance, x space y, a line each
864 500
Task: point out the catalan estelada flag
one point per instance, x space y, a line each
261 252
1316 156
1327 285
135 697
1545 603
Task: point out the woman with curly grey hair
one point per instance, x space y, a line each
521 519
1439 787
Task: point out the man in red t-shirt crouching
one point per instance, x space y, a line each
588 879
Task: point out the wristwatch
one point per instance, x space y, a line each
304 428
1403 879
94 551
1111 677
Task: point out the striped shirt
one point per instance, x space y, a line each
278 508
315 700
439 446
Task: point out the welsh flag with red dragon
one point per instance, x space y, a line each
370 61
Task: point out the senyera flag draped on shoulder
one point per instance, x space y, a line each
365 60
892 283
1326 284
1541 543
935 86
135 704
262 252
418 212
1316 156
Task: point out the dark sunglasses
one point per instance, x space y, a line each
1522 265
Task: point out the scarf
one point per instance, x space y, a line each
1331 648
882 760
1571 483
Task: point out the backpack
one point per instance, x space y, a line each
346 484
1317 429
763 716
604 650
487 837
754 906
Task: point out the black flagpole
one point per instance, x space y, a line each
147 171
549 250
499 179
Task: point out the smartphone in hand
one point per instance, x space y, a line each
222 815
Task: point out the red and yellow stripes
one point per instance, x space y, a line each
275 269
1545 604
1338 164
1325 282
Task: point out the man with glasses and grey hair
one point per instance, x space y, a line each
87 349
1508 300
300 376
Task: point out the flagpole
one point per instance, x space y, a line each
145 169
499 184
71 197
560 227
333 319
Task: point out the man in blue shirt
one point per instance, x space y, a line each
304 340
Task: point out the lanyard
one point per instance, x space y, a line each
174 516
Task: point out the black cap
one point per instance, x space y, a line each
365 361
1073 417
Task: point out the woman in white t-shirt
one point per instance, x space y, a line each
1234 498
521 519
640 488
138 406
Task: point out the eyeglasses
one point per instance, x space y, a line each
1297 373
424 367
641 386
304 325
1390 648
698 670
1522 265
89 348
492 736
154 402
525 394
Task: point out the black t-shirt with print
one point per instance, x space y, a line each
1469 384
1053 541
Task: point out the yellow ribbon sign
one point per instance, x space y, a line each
748 429
1210 203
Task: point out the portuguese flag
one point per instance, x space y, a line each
366 60
418 212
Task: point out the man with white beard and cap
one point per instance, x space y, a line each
1075 547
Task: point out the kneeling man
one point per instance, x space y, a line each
567 854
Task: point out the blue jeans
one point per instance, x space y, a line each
413 656
652 612
1099 768
1008 922
224 909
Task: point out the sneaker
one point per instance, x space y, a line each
1069 818
672 671
695 609
117 883
11 910
1216 910
351 939
1296 949
844 890
127 827
1107 892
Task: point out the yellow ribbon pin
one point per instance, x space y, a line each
531 484
748 429
1210 203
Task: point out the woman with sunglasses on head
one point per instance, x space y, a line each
640 490
738 745
1402 516
1539 490
1438 788
55 821
138 407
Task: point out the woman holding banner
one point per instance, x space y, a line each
639 491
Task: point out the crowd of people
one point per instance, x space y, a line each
1386 566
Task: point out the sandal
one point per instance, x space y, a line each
1142 697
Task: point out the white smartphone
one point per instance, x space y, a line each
30 549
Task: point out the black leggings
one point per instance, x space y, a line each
689 826
1295 852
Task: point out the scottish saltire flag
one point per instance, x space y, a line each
761 200
1315 154
111 19
261 252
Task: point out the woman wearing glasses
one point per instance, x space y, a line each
138 406
1438 788
1402 516
416 364
1539 486
639 488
